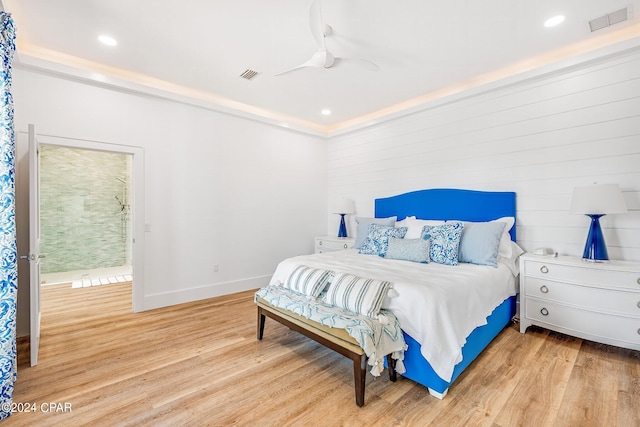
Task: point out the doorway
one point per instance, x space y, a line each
85 212
123 202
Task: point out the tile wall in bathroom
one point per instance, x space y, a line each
84 209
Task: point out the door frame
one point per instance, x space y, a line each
137 202
34 256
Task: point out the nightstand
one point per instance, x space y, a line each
332 244
595 301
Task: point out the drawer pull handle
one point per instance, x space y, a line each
638 304
638 280
345 246
545 290
638 331
544 269
544 311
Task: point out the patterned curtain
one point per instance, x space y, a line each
8 247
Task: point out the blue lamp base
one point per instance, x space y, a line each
342 232
595 249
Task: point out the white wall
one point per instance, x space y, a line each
244 195
539 137
219 189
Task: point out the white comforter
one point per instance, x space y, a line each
437 305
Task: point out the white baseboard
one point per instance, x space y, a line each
203 292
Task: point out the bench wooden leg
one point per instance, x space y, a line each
359 360
260 326
360 376
391 365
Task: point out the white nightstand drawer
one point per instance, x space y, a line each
586 324
588 274
331 244
588 297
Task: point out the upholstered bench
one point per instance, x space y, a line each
336 339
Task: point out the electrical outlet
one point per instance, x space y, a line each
216 268
147 227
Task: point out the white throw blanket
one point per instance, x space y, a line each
437 305
376 337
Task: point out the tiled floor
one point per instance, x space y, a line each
87 278
87 282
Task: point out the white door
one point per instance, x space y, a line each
34 242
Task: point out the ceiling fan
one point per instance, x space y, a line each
323 58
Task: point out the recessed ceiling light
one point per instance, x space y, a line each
552 22
107 40
325 112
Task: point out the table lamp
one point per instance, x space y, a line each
342 208
595 201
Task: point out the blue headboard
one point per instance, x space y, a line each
448 203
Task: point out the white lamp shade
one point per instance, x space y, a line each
597 199
344 206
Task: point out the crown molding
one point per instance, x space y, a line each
62 65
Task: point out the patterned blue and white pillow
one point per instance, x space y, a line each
377 239
445 241
357 294
415 250
308 281
362 229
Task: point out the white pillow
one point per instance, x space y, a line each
512 261
415 226
405 222
505 249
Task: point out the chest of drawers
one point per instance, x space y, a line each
595 301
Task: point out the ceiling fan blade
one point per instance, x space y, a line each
371 66
315 24
291 69
320 59
310 63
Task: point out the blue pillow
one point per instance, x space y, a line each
445 241
415 250
480 242
363 227
377 240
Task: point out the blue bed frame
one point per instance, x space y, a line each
447 204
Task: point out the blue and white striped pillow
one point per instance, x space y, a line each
307 280
357 294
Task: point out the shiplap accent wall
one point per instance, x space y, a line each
539 137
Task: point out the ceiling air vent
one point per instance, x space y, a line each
248 74
610 19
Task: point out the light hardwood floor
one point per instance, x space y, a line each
199 364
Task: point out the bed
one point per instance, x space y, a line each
448 314
466 205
